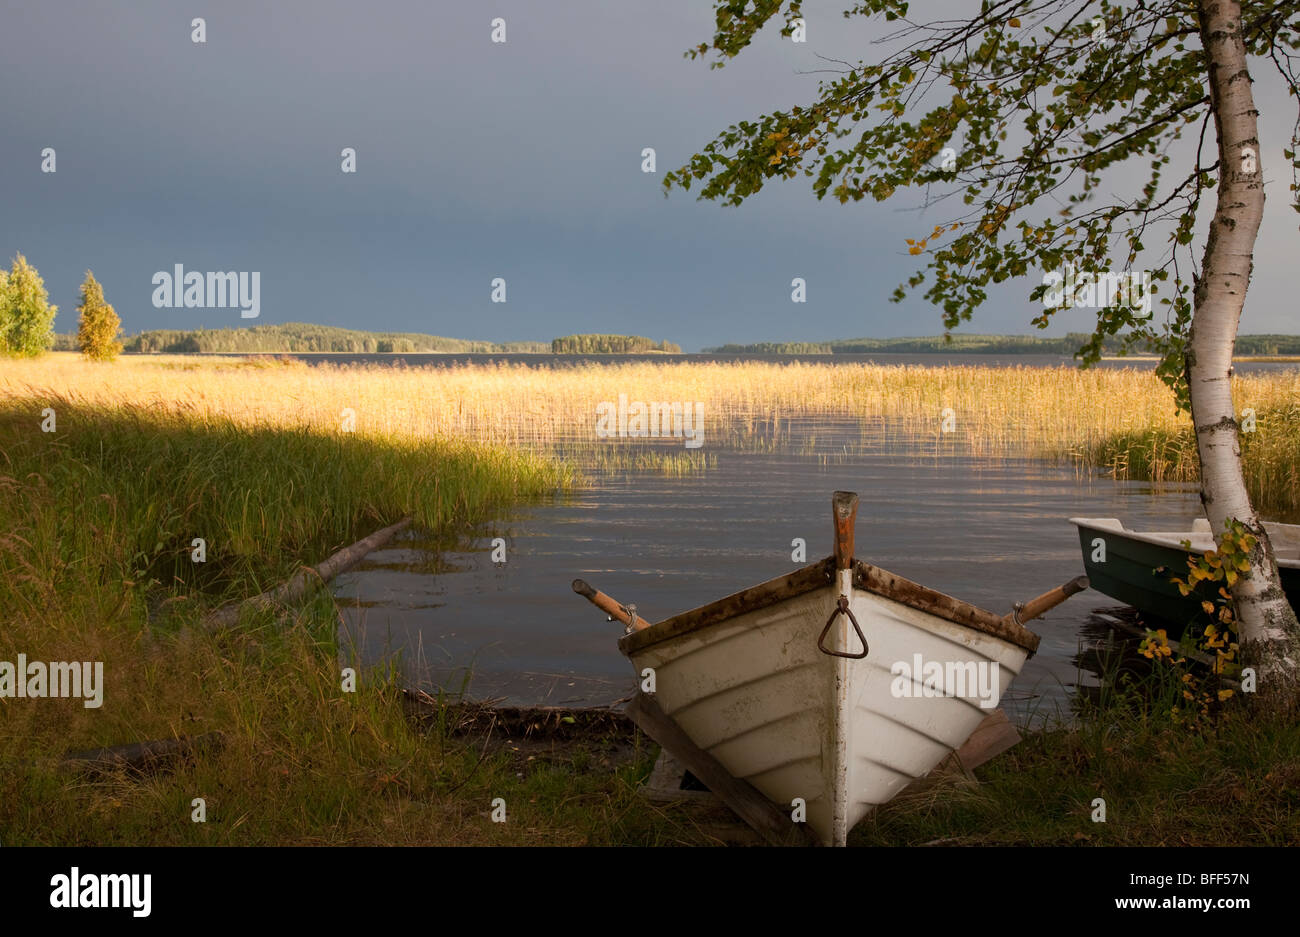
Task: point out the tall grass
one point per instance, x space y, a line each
1270 455
96 521
1122 420
130 488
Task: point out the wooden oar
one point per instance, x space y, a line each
1027 611
610 606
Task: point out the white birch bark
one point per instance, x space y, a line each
1267 626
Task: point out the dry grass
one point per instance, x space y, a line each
1035 412
95 525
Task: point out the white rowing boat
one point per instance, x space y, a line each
836 685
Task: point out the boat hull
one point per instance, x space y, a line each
748 684
1137 571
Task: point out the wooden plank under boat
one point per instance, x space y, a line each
1138 564
774 682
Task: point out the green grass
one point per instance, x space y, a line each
1235 782
126 491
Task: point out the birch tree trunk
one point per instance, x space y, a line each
1267 628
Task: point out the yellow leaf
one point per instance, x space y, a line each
1014 23
1209 607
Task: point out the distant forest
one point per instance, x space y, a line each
301 337
610 345
1247 345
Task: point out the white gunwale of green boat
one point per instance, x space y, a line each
1284 537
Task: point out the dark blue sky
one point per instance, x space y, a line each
475 161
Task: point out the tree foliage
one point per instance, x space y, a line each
26 316
1013 119
98 326
1031 113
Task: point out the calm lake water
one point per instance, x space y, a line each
989 531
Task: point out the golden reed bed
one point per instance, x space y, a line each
986 411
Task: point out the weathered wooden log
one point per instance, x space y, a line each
995 735
142 755
302 582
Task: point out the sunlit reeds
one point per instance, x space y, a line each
1043 413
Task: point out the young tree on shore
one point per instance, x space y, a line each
98 326
26 316
1027 105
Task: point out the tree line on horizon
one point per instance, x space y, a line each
594 344
1262 345
27 329
301 337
